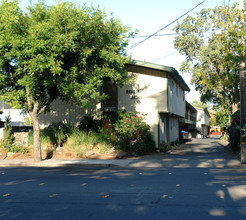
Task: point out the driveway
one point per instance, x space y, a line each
201 153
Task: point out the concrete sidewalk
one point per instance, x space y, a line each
202 153
64 163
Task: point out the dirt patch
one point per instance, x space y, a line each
19 155
3 154
63 154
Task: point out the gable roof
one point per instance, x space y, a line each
170 70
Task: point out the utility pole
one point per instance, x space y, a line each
242 91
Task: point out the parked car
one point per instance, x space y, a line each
185 135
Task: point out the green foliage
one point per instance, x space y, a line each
213 60
82 141
60 51
201 105
132 136
59 133
90 124
27 121
44 137
14 149
8 142
133 133
222 119
130 128
167 147
56 134
9 137
175 143
234 132
225 137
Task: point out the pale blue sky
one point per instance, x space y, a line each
148 16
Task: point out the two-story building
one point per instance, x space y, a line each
196 121
202 123
188 123
157 92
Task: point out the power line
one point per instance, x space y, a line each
159 35
136 44
164 56
159 58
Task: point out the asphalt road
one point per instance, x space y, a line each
184 190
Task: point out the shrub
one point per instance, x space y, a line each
15 149
81 142
225 137
133 133
92 138
126 132
234 132
56 134
131 128
90 124
59 133
9 137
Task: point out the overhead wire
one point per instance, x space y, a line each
164 56
158 35
140 42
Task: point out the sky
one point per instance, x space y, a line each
149 16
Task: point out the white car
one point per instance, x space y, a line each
185 135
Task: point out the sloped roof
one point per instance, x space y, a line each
190 106
170 70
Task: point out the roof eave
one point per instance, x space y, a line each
168 69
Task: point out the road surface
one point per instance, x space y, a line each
195 182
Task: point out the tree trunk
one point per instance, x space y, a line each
36 137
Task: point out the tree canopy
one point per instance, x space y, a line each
201 105
60 51
210 43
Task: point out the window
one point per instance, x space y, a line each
110 89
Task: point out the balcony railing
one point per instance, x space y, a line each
190 117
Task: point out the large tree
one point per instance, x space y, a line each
210 43
60 51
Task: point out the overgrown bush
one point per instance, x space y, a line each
8 142
14 149
81 142
165 147
9 137
234 132
89 123
56 134
133 133
126 132
92 138
131 128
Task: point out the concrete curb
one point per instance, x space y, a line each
65 163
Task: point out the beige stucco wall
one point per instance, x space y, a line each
174 129
176 98
147 96
202 122
65 112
